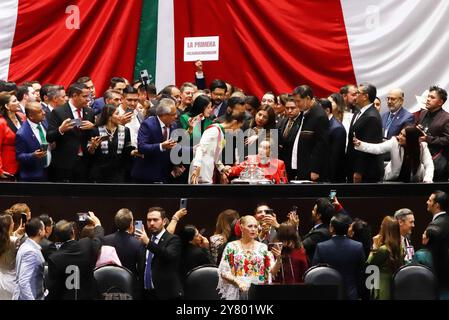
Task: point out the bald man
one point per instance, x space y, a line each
397 117
32 150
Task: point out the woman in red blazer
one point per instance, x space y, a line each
273 169
10 122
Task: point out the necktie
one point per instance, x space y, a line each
388 123
148 276
288 127
43 140
165 134
41 134
80 148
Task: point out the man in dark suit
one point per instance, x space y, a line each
70 126
56 98
435 124
154 143
322 212
47 246
118 84
337 145
398 117
288 128
218 90
71 268
310 151
161 272
32 151
343 254
366 125
437 204
129 249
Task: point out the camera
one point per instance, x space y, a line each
145 77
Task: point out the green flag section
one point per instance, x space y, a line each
146 49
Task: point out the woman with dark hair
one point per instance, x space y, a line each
260 126
387 255
195 250
360 231
110 147
338 105
426 255
198 118
10 121
7 257
410 159
252 104
293 258
222 233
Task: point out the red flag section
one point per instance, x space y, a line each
268 44
46 49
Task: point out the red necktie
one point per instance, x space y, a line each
80 148
165 133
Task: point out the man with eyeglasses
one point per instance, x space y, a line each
397 117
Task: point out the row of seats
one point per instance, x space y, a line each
411 282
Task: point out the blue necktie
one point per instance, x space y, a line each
148 275
388 123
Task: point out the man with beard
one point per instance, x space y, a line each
218 90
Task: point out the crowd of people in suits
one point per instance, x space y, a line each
131 134
252 249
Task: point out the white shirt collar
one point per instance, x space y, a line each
161 123
159 236
74 109
365 108
34 125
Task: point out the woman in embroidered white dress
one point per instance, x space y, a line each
245 262
110 147
208 151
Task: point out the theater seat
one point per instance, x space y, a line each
115 283
201 283
414 282
324 275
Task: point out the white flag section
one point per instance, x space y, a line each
165 54
397 43
8 19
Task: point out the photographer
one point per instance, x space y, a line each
75 258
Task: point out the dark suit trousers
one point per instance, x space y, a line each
79 173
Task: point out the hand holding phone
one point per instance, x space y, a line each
104 138
332 195
183 203
83 216
23 218
138 225
77 122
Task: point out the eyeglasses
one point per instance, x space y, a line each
268 100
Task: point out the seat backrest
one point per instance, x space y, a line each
115 282
201 283
414 282
325 276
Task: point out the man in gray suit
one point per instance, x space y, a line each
29 283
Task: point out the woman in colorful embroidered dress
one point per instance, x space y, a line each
245 262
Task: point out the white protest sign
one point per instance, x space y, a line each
201 48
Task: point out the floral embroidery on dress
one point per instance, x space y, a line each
250 266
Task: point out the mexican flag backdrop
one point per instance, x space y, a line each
264 44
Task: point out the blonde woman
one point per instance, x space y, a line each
245 262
